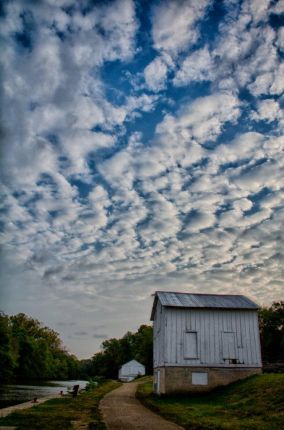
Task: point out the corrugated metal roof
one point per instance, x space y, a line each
191 300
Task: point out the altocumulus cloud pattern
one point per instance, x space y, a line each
142 149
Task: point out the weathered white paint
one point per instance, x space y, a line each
159 334
131 370
220 337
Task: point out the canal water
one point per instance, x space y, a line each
12 394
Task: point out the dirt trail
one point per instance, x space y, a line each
122 411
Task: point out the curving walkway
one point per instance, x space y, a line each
122 411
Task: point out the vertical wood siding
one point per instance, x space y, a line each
211 326
159 335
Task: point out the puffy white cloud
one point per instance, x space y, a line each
267 174
144 103
204 117
118 168
268 110
164 222
156 74
242 205
79 143
243 147
196 67
233 219
268 83
257 9
174 24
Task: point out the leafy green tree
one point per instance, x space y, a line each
113 357
36 345
143 347
271 322
73 366
7 353
29 350
100 366
86 368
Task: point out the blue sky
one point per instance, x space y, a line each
142 149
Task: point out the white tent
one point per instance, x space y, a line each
130 371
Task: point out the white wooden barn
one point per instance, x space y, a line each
130 371
203 340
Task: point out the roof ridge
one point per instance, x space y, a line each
202 301
200 294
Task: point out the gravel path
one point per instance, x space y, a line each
122 411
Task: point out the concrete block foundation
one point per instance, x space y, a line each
169 380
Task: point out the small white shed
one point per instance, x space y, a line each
130 371
203 340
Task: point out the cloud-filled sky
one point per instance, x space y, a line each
142 148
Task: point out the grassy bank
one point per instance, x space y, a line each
254 403
60 413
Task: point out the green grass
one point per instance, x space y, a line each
256 403
60 412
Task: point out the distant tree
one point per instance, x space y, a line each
100 366
73 366
86 368
127 347
143 347
116 352
271 322
113 356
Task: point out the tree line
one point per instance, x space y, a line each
29 350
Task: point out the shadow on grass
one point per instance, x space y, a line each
254 403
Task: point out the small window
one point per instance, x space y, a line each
190 345
199 378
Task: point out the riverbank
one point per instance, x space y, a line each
65 412
22 392
6 411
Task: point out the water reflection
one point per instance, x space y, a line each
12 394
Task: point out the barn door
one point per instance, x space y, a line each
229 345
